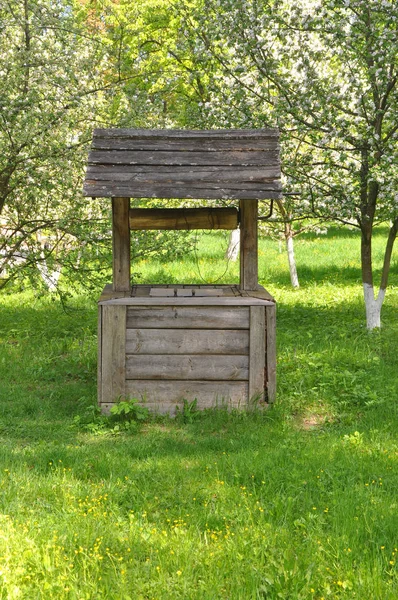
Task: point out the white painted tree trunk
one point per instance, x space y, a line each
373 306
50 278
233 246
292 261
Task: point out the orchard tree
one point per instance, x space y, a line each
63 73
325 72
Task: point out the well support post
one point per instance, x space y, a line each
248 245
121 244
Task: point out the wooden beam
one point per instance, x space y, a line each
248 245
257 353
113 354
183 218
121 244
271 352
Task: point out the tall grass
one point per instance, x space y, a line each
298 502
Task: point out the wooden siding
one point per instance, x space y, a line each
165 354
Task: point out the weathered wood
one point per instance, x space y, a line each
192 366
159 134
186 317
207 393
111 190
271 352
188 175
113 363
181 341
209 144
225 157
183 218
257 352
190 301
99 356
248 245
121 244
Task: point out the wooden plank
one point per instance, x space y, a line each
181 341
208 393
183 218
191 366
186 317
112 190
113 363
121 244
248 245
156 157
186 134
161 174
191 301
271 352
99 355
257 353
208 144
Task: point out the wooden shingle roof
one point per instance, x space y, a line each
221 164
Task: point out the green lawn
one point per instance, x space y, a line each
298 502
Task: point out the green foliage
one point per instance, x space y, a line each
189 411
129 410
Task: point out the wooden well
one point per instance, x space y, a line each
170 343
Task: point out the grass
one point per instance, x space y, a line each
299 502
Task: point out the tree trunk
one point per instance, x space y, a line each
373 306
232 252
290 256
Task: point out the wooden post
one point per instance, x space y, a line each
257 353
271 352
248 245
113 353
121 244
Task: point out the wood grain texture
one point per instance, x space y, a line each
99 356
271 352
257 352
219 175
248 245
187 317
181 341
121 244
190 301
113 363
207 393
230 164
208 144
191 366
183 218
198 192
239 134
174 159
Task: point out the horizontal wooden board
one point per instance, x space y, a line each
190 301
112 191
207 393
182 341
183 218
208 144
185 133
187 317
192 366
157 157
183 174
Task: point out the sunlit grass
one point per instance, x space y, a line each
298 502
